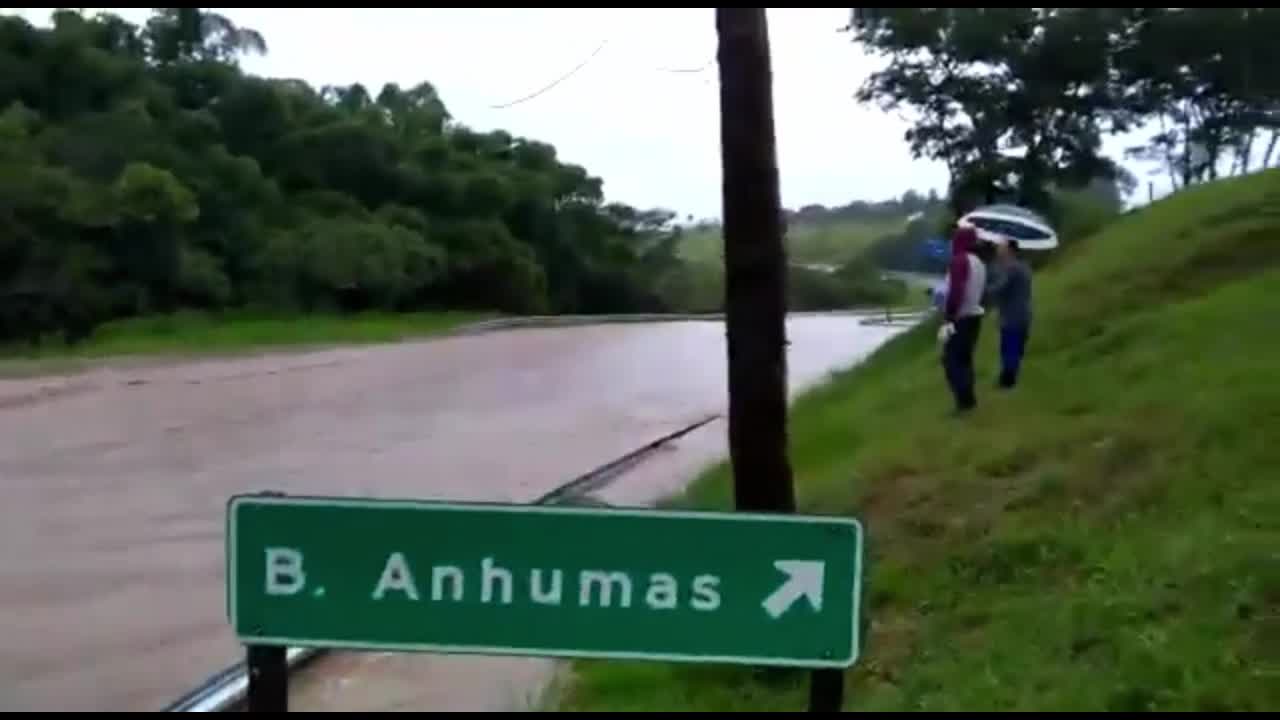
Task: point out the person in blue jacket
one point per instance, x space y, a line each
1010 291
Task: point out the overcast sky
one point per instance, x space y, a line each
651 133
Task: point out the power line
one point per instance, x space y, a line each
701 68
686 71
555 82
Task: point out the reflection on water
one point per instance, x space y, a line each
111 579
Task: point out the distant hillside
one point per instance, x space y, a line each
911 202
820 235
827 243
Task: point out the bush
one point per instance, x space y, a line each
856 284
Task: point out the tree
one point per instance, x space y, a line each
1207 77
185 34
142 171
1013 100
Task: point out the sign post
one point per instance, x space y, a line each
268 671
779 590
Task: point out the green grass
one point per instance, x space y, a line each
832 244
201 333
1104 538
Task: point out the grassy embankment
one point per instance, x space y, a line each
198 333
701 285
1104 538
831 244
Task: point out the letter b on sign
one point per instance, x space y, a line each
284 571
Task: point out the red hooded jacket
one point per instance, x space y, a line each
963 242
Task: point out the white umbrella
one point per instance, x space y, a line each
1010 222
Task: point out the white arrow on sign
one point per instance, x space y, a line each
804 579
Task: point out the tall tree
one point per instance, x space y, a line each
1206 78
180 34
1013 100
141 170
159 176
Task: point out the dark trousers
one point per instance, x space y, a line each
957 361
1013 344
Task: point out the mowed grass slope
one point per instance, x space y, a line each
1107 537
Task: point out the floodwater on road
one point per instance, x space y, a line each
115 481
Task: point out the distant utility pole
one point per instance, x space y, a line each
755 266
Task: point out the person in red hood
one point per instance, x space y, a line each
962 315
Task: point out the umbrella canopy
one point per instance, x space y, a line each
997 222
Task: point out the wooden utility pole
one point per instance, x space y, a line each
755 266
755 286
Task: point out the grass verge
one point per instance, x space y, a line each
1104 538
201 333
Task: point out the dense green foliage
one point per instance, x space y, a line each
141 172
1074 213
1102 538
1016 101
856 283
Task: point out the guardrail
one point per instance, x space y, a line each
548 321
228 689
896 318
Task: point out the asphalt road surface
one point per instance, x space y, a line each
115 480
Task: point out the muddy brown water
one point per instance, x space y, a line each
114 483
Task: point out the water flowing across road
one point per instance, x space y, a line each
115 481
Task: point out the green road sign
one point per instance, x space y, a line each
551 581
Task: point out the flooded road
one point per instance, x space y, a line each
114 482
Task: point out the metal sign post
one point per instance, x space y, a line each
268 679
